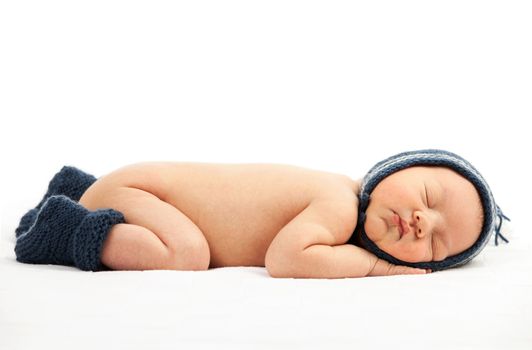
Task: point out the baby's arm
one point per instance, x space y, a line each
310 246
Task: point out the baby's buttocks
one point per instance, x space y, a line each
238 207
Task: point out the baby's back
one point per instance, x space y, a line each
238 207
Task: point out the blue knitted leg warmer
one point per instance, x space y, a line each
69 181
67 233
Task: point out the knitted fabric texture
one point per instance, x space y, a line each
66 233
429 157
69 181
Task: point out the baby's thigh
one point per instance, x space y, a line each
142 208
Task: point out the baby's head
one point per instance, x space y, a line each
428 209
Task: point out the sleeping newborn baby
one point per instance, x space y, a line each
413 213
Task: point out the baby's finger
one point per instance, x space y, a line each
418 271
405 270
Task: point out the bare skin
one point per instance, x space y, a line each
424 214
195 216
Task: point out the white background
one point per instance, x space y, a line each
325 84
332 85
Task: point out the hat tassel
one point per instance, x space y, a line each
498 233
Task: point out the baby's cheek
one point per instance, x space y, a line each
395 249
374 227
413 252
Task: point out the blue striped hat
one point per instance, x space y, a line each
493 216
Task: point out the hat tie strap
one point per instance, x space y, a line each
498 233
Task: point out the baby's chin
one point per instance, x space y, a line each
398 254
376 228
400 250
380 237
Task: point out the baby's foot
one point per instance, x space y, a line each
64 232
69 181
48 240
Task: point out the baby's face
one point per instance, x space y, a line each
424 214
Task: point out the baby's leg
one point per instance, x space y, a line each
133 247
156 235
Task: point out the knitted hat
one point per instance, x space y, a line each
430 157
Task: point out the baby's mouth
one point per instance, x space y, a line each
396 219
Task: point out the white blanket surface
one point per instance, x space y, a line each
486 304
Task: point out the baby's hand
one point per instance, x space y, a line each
384 268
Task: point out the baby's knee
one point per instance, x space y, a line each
195 256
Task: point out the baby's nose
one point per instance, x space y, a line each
422 225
